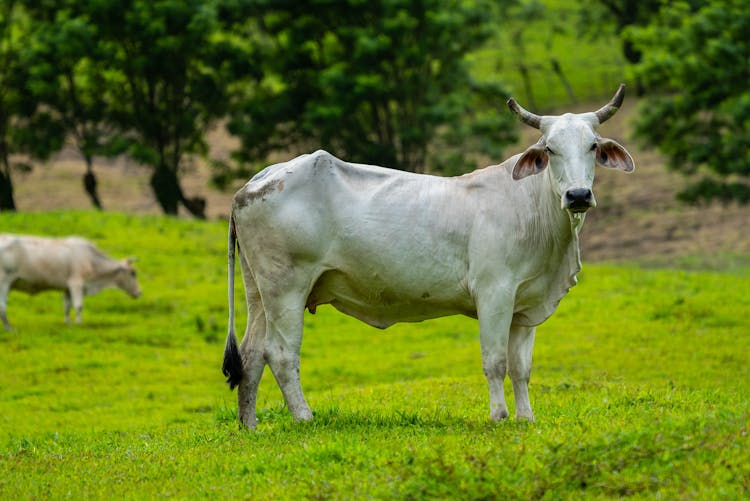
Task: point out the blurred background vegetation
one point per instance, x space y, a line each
418 85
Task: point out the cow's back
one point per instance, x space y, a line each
379 244
36 263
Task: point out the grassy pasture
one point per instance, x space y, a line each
640 386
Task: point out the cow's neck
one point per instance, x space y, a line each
564 228
103 277
571 259
554 272
557 227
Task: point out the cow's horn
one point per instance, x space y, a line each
526 116
608 110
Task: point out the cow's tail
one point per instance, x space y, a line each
232 366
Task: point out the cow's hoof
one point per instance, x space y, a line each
248 423
303 415
498 414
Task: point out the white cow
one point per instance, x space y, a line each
499 244
34 264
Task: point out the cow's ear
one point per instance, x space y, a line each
612 155
531 161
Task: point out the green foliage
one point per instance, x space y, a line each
143 77
544 57
382 82
600 16
13 36
639 389
64 88
697 67
167 81
401 83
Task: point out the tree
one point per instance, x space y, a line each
621 13
696 67
65 67
522 17
167 82
11 77
381 82
594 17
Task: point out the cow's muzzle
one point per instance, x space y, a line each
578 200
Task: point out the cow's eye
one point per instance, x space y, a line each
593 147
549 150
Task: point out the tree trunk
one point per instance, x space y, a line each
633 56
169 194
196 206
6 187
89 184
166 188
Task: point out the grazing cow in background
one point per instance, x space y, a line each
499 244
73 265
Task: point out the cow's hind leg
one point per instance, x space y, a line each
520 348
66 305
75 291
284 317
4 290
251 350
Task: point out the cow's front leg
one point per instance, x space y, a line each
520 348
75 296
494 322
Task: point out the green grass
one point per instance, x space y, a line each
640 387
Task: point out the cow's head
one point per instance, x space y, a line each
570 147
125 278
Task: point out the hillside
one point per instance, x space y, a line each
637 217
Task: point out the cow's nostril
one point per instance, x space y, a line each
578 195
579 198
